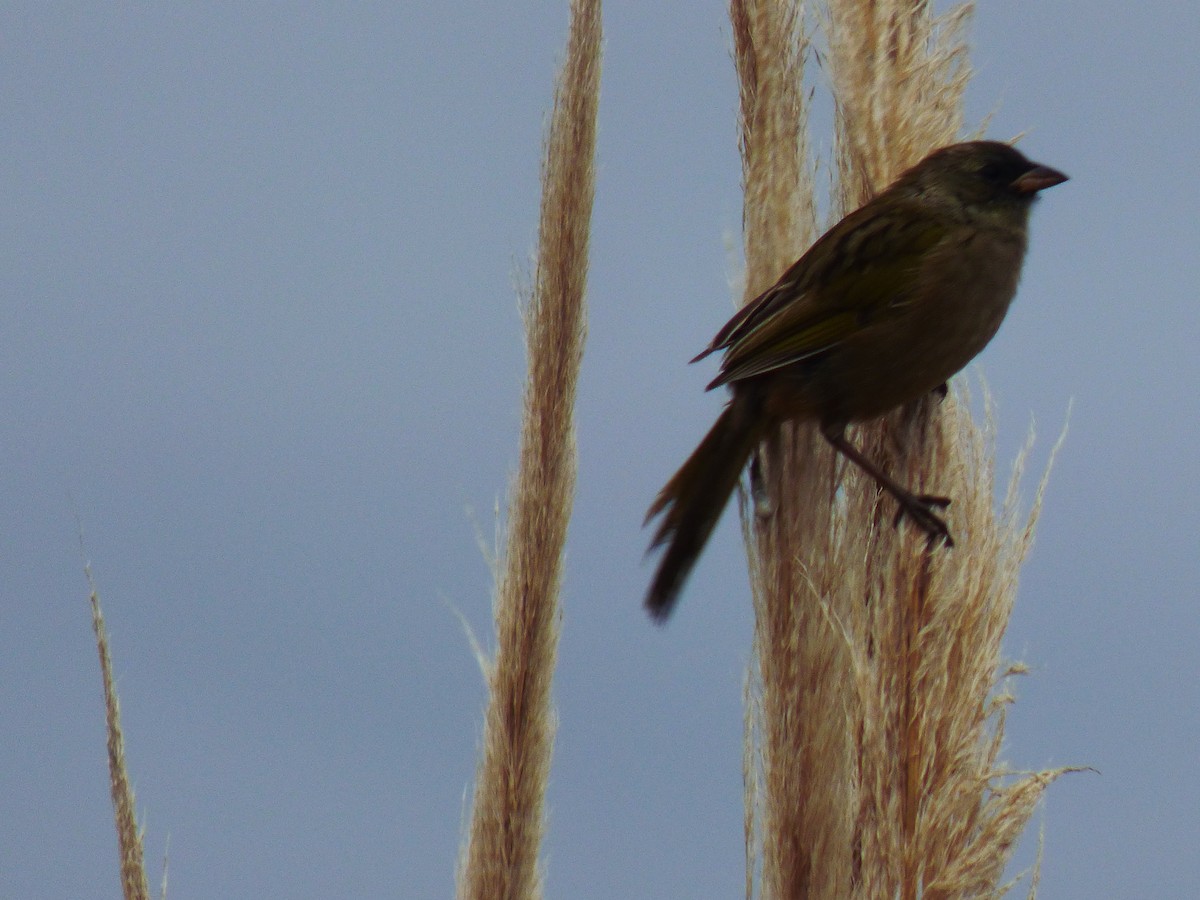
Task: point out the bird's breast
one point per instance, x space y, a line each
923 337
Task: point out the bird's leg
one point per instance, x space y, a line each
918 507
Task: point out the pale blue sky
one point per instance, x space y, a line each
258 328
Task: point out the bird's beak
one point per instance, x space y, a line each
1038 179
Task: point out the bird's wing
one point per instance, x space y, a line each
820 301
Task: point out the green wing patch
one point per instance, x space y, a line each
824 298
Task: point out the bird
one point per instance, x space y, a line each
883 308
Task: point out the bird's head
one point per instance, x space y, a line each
981 174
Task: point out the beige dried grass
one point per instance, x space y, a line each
134 883
877 706
500 860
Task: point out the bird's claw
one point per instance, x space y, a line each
920 509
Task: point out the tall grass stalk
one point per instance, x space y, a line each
134 883
500 859
877 701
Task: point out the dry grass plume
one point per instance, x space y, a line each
134 884
500 859
877 700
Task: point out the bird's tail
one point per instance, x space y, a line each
692 501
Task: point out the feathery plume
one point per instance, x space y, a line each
500 859
878 704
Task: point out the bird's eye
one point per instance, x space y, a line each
991 171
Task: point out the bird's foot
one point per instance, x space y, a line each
920 509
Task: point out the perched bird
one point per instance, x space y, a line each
887 305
